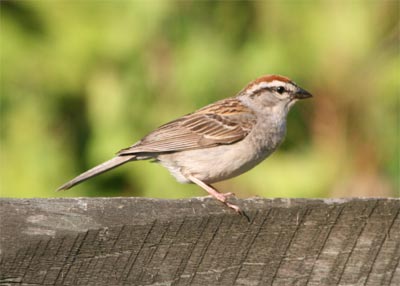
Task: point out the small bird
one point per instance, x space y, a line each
219 141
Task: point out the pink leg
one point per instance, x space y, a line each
214 193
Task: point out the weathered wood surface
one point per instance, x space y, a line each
136 241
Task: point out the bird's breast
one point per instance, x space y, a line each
268 135
225 161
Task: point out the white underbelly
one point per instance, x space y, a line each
213 164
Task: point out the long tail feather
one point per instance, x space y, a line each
108 165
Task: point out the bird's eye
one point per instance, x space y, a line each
280 89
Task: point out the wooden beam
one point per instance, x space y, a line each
138 241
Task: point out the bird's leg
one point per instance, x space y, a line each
214 193
227 195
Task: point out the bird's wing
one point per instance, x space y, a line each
224 122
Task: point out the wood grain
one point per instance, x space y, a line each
137 241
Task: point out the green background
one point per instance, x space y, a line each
82 79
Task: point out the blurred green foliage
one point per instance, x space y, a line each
82 79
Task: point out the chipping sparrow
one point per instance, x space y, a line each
219 141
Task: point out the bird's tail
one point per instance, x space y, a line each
108 165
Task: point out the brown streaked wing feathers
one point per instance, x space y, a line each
207 127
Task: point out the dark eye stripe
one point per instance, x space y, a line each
258 91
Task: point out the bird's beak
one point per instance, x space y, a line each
302 94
